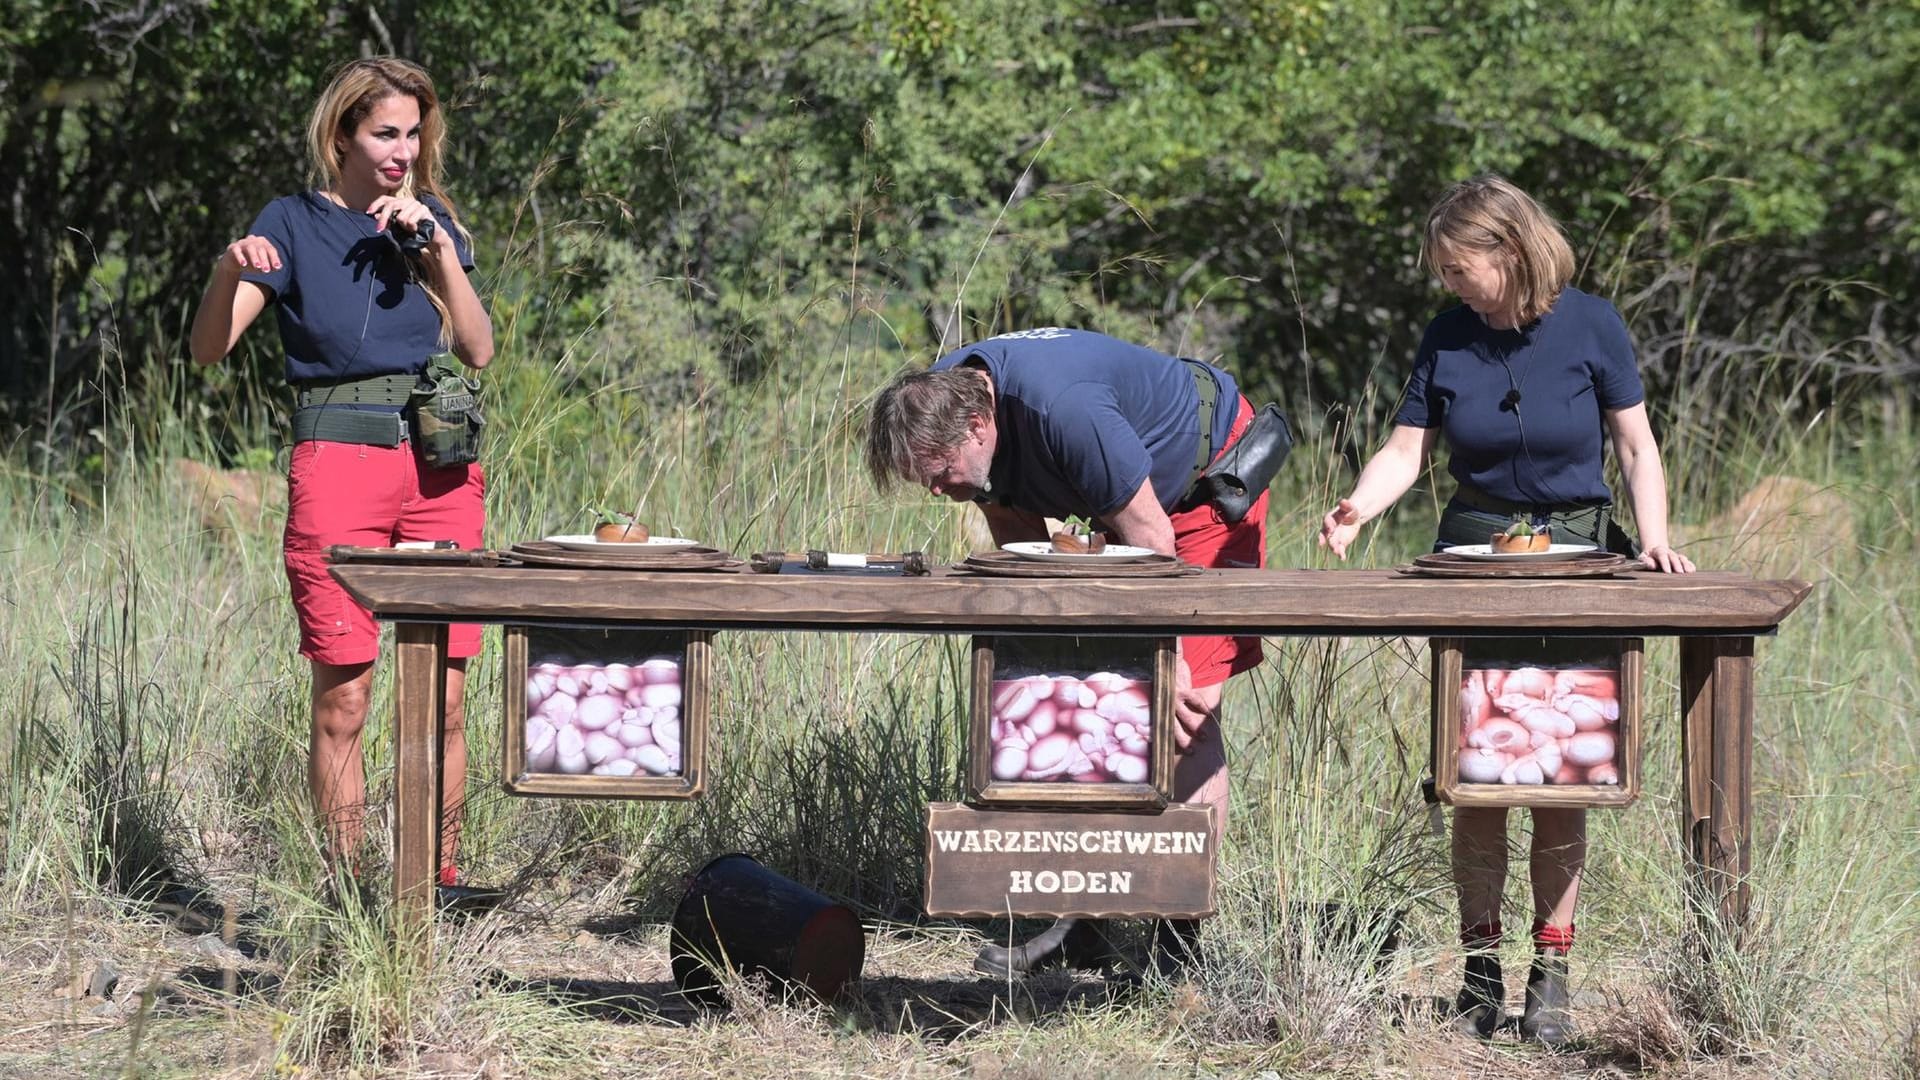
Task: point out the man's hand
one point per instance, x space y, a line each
1191 708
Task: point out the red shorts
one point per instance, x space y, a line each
1203 538
369 496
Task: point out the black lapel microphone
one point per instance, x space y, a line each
1511 403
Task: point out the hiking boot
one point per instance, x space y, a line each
466 901
1548 1017
1087 947
1035 953
1077 943
1478 1009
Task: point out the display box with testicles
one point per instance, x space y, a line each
606 713
1071 721
1549 722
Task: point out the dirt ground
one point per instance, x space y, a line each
100 993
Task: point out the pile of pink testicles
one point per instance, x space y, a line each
604 719
1093 729
1532 725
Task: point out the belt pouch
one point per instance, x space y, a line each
1618 540
1241 475
446 416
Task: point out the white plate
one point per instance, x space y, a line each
1042 551
1554 553
651 543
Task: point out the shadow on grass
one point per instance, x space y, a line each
659 1002
202 987
953 1008
836 805
932 1008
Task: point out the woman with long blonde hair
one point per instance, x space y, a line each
368 274
1528 380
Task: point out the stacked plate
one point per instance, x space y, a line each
1031 561
1471 563
656 553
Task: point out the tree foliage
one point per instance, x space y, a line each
1243 179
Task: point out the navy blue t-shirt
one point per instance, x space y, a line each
1084 419
345 306
1569 367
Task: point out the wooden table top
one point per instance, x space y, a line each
1262 602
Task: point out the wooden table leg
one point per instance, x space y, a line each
1716 773
419 705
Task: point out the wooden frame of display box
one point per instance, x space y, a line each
624 646
1716 618
1455 660
1078 658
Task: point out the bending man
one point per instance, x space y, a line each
1056 423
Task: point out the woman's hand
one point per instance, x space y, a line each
1646 478
471 332
1387 477
248 253
231 303
1339 527
1666 560
410 213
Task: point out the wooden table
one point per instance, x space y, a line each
1716 616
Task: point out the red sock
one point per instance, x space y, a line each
448 874
1482 938
1555 938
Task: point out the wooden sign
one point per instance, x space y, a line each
1536 721
605 712
987 863
1071 722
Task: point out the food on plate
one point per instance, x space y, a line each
1076 537
1079 543
1522 536
1535 725
621 529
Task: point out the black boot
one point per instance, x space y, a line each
1036 952
1075 943
1548 1018
466 901
1482 1001
1176 946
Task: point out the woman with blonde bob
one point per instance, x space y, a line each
1527 380
367 272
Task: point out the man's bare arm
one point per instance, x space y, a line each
1008 525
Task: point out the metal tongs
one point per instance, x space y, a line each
814 560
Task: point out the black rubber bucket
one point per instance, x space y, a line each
739 914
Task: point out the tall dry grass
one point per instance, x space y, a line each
152 719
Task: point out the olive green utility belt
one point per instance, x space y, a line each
1209 392
1490 504
325 410
1236 479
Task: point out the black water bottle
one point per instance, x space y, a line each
414 241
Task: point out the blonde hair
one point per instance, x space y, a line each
1488 215
350 97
